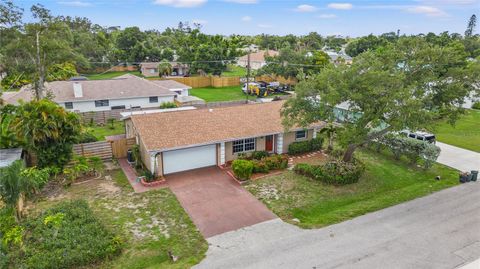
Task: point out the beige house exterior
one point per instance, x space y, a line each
176 141
150 69
257 59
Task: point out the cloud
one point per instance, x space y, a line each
75 3
180 3
327 16
305 8
261 25
427 10
246 18
343 6
242 1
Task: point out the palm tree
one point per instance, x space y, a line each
330 130
164 68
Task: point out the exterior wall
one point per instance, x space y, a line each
289 138
144 102
148 73
254 65
129 131
230 156
145 155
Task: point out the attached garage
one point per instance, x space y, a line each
189 158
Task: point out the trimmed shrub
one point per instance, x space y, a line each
316 143
300 147
258 155
260 167
276 162
476 105
242 169
66 236
333 172
305 146
168 105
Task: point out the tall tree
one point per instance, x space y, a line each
472 23
408 84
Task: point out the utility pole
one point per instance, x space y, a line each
248 76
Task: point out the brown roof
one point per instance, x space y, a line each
259 56
170 84
155 64
162 131
125 86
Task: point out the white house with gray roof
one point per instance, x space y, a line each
124 92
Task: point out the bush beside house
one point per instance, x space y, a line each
243 168
300 147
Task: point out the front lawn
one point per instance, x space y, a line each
151 224
386 182
100 131
211 94
465 133
110 75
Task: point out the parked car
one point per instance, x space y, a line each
424 136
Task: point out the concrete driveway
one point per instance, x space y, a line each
458 158
215 202
441 230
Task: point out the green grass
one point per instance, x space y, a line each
235 71
150 223
465 133
101 131
386 182
110 75
211 94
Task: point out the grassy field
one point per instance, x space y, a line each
465 133
211 94
101 131
235 71
151 223
386 182
110 75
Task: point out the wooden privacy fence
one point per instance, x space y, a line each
105 150
121 146
201 82
101 117
101 149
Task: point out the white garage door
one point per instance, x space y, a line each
190 158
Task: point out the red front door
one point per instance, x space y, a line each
269 143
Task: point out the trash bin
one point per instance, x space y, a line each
130 156
474 174
469 177
463 177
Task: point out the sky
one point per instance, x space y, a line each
280 17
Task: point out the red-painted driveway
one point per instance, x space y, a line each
215 202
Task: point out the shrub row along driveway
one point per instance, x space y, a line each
215 202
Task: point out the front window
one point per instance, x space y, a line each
244 145
153 99
99 103
299 135
69 105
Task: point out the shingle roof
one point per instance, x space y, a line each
259 56
170 84
125 86
180 129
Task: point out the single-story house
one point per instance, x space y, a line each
338 58
257 59
123 92
150 69
183 140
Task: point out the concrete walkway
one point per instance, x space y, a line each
441 230
458 158
132 178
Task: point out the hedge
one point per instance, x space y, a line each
300 147
333 172
242 169
264 165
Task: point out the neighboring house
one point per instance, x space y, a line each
151 69
123 92
257 59
251 48
183 140
337 58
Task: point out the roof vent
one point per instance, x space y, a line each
77 90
